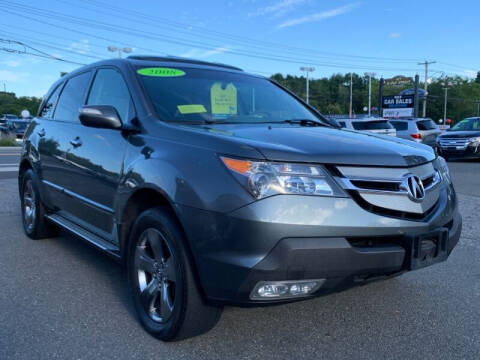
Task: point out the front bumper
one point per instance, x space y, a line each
305 237
469 152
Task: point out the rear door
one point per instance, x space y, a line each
97 158
59 176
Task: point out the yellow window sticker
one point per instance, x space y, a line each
161 72
191 109
223 100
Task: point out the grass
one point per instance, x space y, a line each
8 141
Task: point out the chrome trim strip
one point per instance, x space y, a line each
346 183
79 197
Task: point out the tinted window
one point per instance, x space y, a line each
72 98
109 88
342 123
426 125
371 125
199 95
399 125
49 107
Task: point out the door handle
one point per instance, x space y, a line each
42 133
76 142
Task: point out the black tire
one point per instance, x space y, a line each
35 224
171 306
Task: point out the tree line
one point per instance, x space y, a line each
11 104
331 95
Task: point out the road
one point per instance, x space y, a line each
9 162
62 299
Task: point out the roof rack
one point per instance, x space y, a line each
180 60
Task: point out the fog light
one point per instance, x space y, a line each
266 290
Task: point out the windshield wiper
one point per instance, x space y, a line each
304 122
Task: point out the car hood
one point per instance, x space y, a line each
324 145
460 134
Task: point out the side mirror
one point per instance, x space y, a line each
100 116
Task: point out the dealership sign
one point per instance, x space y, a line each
395 106
399 81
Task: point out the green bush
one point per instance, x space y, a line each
8 141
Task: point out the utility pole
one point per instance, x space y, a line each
380 96
426 63
415 103
4 86
351 96
307 69
370 75
445 105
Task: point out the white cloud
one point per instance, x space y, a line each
319 16
278 8
201 54
81 46
13 76
470 73
12 63
395 35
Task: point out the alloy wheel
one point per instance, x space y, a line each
155 267
29 206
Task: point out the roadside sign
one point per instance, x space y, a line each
395 106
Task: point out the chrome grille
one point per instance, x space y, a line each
383 188
453 142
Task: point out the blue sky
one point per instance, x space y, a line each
262 36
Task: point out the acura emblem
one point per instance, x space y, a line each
414 187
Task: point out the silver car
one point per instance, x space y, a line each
421 130
374 125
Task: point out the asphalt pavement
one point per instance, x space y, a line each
9 162
62 299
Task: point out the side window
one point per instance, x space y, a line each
49 107
109 88
342 123
72 98
399 125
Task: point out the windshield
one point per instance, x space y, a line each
470 124
371 125
199 95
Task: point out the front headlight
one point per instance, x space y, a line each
444 171
474 140
263 179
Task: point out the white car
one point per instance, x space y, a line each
374 125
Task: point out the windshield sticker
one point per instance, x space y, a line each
223 99
191 109
161 72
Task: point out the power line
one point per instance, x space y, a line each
178 41
38 53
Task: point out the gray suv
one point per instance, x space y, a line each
213 186
421 130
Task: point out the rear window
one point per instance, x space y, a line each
399 125
426 125
371 125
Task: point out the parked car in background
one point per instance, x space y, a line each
5 118
17 127
374 125
421 130
461 141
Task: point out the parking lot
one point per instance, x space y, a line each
60 298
